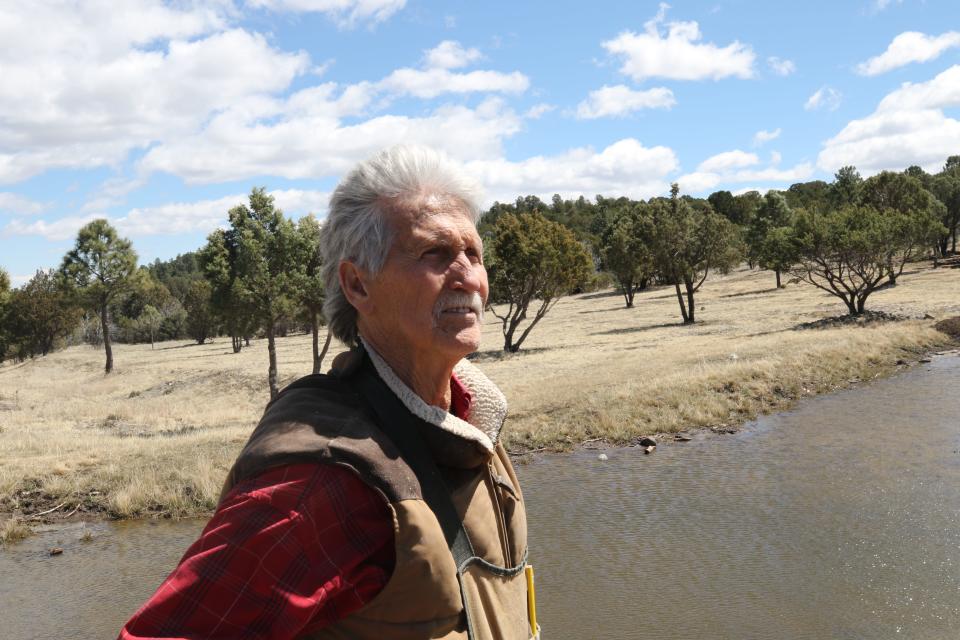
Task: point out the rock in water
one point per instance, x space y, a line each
55 551
647 442
602 456
649 449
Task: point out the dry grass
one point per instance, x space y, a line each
12 530
157 436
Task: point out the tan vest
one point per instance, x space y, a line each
325 419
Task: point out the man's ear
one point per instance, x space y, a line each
353 284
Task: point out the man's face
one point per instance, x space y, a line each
421 298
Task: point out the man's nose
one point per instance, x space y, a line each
465 273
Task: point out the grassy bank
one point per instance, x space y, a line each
157 436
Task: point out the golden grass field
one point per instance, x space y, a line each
157 436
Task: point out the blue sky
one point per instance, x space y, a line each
161 116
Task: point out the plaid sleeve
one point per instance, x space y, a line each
290 551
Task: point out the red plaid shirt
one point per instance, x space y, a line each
288 552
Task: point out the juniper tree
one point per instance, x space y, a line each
849 252
625 249
688 243
312 289
532 262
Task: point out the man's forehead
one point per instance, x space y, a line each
429 210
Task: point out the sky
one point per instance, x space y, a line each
161 116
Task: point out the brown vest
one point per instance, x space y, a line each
326 419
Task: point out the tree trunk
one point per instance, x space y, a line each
272 352
323 352
105 324
236 343
315 332
317 354
851 305
777 271
690 306
683 308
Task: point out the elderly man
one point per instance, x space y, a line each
376 501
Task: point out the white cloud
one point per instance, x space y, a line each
345 12
762 137
449 54
299 202
108 79
733 167
538 110
880 5
677 54
728 160
173 218
62 229
621 100
908 47
908 127
312 142
430 83
17 205
780 66
19 281
824 98
626 168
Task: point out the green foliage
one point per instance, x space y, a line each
812 196
256 269
39 315
946 187
312 289
101 266
737 209
845 190
584 218
849 252
625 249
218 260
688 242
4 303
532 259
769 236
201 321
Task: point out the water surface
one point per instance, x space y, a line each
840 519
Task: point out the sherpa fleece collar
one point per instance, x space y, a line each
487 411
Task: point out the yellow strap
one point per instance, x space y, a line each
531 600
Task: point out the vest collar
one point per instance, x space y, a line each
487 413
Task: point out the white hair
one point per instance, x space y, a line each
356 228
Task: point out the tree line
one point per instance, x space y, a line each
260 276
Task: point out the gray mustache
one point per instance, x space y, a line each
455 299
